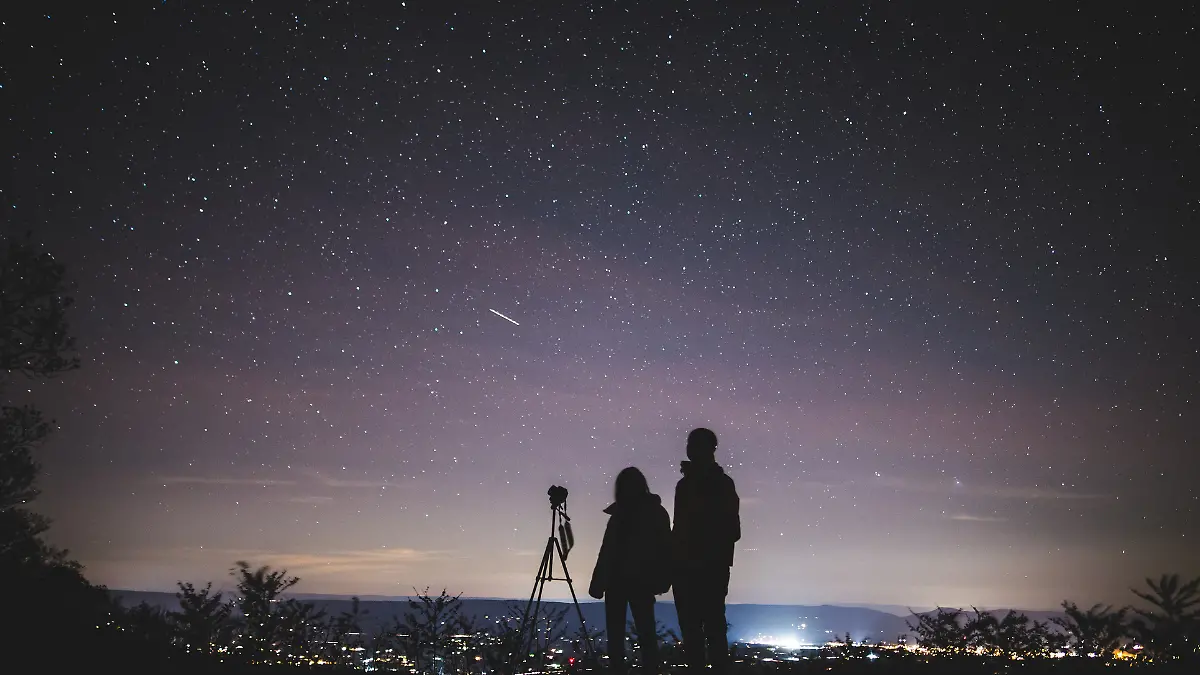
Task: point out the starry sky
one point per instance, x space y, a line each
357 282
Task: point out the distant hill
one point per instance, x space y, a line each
808 624
898 610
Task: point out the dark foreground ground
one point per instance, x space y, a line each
941 666
955 666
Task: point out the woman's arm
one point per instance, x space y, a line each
601 573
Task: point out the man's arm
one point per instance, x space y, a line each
733 505
680 525
679 530
662 524
664 552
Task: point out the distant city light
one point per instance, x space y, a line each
779 641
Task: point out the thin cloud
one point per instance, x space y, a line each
220 480
966 517
1033 493
942 487
379 561
335 482
311 499
310 475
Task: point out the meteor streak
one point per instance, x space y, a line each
503 317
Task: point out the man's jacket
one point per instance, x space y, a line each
706 517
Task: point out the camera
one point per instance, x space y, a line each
558 496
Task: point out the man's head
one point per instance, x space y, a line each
701 445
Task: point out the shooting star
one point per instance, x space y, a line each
503 317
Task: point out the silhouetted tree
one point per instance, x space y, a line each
504 640
579 644
1170 628
940 632
839 648
1013 635
21 430
147 630
670 648
35 344
259 590
505 650
344 633
466 646
551 625
548 627
202 622
34 336
147 621
429 627
1096 632
386 648
299 628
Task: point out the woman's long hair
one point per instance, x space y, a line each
631 485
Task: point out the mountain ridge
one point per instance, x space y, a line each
807 624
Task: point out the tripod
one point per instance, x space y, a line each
560 542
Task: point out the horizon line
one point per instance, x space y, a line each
374 597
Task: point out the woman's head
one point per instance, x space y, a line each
631 484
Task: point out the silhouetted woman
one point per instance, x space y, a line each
633 566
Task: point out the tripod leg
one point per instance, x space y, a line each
538 581
587 643
527 632
534 640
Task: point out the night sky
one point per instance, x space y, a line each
925 273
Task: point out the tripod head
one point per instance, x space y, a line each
558 497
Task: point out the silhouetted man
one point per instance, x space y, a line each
706 526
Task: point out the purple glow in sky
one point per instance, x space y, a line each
356 286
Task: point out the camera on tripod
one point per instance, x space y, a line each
558 511
558 545
558 496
